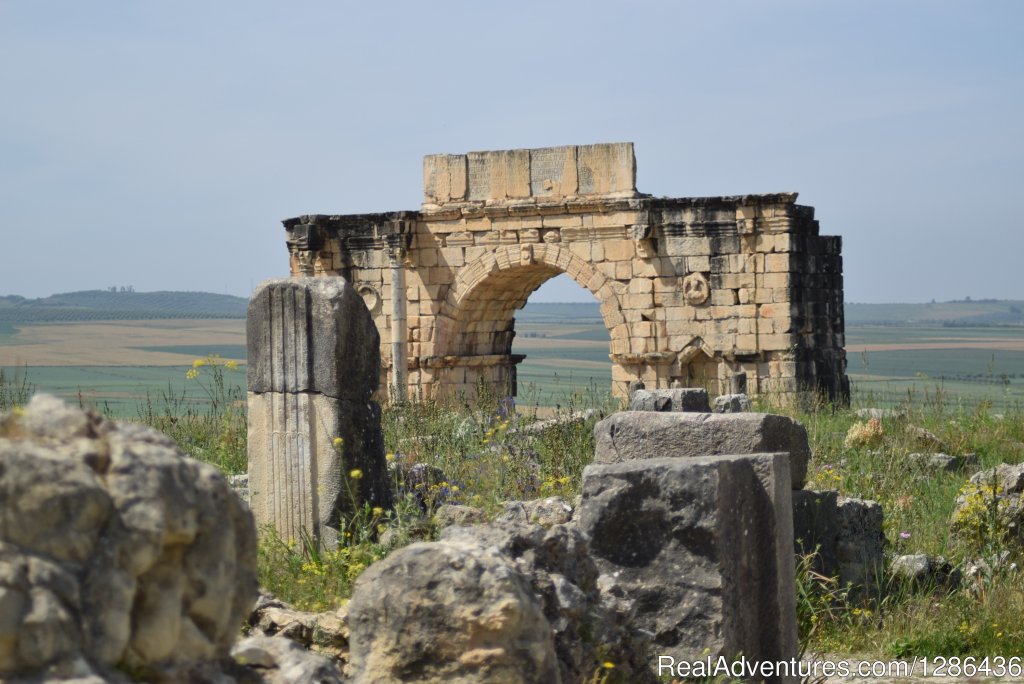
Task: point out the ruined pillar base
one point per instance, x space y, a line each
316 452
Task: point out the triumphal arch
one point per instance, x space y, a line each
693 291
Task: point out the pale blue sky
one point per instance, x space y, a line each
158 144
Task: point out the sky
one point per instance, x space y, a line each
159 144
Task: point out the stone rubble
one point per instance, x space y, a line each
685 399
115 549
945 463
155 561
995 493
449 611
731 403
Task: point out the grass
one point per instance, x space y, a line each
124 391
487 456
898 620
212 430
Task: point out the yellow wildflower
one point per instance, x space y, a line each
607 664
231 365
377 510
355 474
191 374
338 442
389 457
199 363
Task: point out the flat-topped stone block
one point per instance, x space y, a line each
687 399
548 172
635 435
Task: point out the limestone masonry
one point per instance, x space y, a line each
693 291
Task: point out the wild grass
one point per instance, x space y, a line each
15 389
899 620
487 453
213 431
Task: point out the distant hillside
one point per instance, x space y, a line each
94 305
985 312
962 313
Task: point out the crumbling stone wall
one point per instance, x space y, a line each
692 290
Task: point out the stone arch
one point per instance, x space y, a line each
748 276
475 326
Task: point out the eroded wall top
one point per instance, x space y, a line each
548 172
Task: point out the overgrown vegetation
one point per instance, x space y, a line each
466 454
15 389
871 459
214 430
488 453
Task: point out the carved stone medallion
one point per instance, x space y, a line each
696 289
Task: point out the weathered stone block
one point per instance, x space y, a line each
311 335
687 399
701 547
553 171
448 611
814 528
115 550
314 443
606 168
732 403
637 435
845 534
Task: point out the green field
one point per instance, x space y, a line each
227 351
566 348
919 360
120 390
113 364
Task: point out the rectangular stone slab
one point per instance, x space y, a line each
701 547
549 172
686 399
632 435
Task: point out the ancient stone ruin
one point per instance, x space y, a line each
693 291
315 446
120 558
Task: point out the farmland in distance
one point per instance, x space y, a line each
969 350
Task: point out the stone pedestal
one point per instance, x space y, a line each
702 550
315 446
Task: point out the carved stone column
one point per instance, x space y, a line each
315 446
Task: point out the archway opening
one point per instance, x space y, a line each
565 343
473 343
